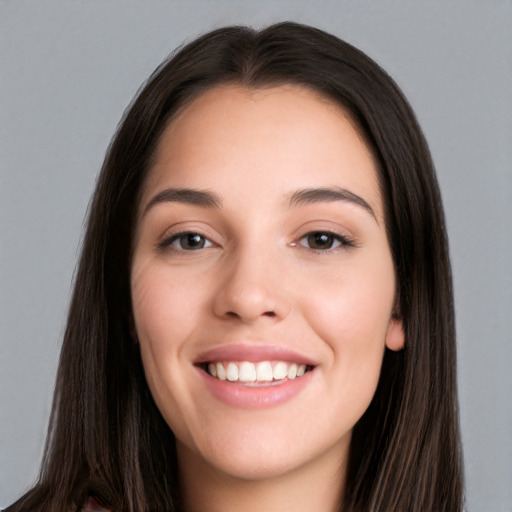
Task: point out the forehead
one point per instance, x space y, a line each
286 134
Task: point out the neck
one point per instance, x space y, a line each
316 486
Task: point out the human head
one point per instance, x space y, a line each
411 422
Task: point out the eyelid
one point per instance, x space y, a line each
326 225
343 241
170 235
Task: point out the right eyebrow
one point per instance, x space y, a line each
185 195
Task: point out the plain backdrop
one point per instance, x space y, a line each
69 68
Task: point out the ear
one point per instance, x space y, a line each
395 338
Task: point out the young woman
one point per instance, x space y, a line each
262 316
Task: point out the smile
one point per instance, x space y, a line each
252 373
253 376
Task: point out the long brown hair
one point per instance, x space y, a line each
106 436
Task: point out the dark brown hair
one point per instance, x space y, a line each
106 436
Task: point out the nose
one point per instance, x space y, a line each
253 287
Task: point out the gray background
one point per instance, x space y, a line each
69 68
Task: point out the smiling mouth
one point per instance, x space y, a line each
253 374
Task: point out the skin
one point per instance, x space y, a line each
258 279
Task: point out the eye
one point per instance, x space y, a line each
188 241
324 241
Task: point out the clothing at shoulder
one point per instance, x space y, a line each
91 505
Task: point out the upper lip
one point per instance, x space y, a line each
253 353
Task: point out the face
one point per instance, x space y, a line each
262 281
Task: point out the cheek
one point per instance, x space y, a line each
351 316
163 310
162 314
351 310
164 307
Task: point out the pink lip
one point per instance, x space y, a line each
238 395
253 354
242 396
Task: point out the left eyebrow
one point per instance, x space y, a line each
320 195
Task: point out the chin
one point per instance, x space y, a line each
253 468
257 454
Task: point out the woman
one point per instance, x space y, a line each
262 315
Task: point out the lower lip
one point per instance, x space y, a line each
255 397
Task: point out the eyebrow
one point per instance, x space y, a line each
301 197
331 194
185 195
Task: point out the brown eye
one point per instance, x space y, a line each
320 240
189 241
324 241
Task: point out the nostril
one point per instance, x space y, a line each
232 314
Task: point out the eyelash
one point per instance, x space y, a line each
341 240
169 241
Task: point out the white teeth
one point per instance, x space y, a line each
280 371
212 369
221 372
232 372
292 371
247 372
264 371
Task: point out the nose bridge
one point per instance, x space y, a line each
252 285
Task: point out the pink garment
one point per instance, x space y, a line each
91 505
